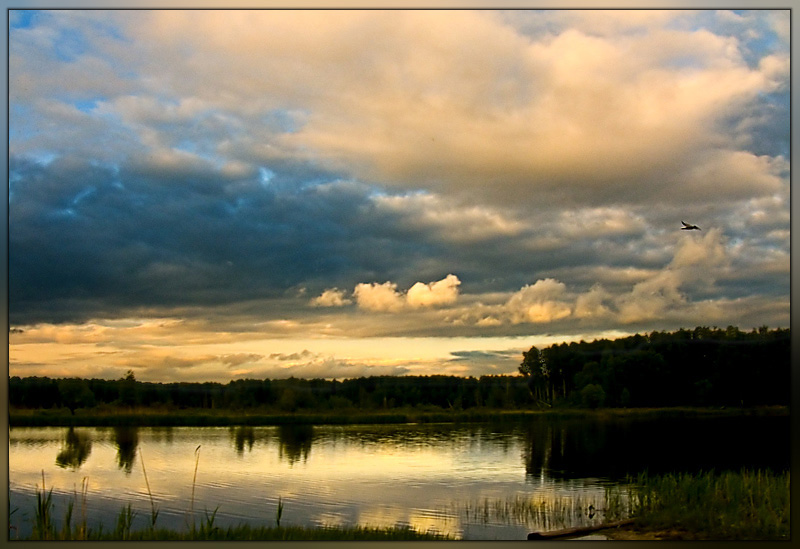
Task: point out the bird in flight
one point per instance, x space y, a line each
689 227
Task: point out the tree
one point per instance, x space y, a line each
127 389
593 396
534 369
75 393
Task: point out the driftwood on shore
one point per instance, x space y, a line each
571 532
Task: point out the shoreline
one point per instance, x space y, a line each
148 417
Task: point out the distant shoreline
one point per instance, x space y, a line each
145 417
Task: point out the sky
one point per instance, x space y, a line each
200 195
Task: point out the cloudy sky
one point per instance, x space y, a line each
211 195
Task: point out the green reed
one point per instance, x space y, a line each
729 505
153 507
124 523
43 527
539 511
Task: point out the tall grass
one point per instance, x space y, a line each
153 507
546 512
44 527
743 505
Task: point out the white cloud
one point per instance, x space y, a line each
592 304
707 251
542 302
442 292
332 297
386 298
608 102
379 297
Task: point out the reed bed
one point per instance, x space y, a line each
545 512
729 505
45 525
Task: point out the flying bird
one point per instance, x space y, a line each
689 227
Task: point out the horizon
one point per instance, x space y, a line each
467 376
200 196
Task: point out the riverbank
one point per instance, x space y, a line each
190 417
728 505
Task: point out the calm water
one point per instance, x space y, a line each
471 481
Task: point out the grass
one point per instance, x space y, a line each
730 505
244 532
44 526
538 513
151 417
743 505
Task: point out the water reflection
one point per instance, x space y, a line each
488 480
127 440
295 442
76 449
242 436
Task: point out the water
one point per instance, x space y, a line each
479 481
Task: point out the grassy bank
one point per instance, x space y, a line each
144 417
743 505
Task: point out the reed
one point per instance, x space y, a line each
542 512
82 530
43 527
124 523
153 507
729 505
244 532
194 481
279 512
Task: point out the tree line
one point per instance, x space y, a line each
700 367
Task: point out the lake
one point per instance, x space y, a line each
472 481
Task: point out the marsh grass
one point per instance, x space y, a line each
245 532
155 417
44 525
730 505
124 523
543 513
279 512
194 481
153 507
743 505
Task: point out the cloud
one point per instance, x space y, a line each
236 360
386 298
706 251
593 304
379 297
539 303
332 297
207 169
609 104
442 292
305 354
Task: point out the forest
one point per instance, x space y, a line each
699 367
